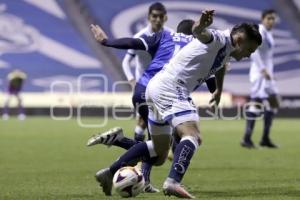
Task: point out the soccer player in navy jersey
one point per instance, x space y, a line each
157 16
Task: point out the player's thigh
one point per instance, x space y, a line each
139 101
189 128
161 137
259 88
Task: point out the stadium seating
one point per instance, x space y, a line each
39 38
127 17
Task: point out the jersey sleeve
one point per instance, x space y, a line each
124 43
126 67
151 41
218 38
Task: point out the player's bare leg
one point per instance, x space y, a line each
139 132
190 140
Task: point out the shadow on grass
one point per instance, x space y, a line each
255 192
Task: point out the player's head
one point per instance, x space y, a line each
185 27
245 38
268 18
157 16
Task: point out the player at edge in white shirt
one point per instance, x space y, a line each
264 98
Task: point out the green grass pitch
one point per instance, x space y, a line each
45 159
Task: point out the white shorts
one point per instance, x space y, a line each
169 103
262 88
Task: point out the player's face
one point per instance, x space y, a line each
269 21
244 48
157 19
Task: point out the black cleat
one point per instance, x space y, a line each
248 144
104 178
268 144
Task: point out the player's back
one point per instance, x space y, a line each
197 61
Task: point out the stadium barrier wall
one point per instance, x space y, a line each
119 104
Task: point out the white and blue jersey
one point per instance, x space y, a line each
262 59
169 91
161 46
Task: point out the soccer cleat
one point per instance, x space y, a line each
248 144
108 138
268 144
173 188
104 177
149 188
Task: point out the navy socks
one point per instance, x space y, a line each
183 154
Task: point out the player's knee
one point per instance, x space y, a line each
194 138
193 134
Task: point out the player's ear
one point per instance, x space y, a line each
240 39
165 18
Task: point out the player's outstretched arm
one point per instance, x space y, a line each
199 28
121 43
219 77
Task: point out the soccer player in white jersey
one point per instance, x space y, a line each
170 105
157 16
264 94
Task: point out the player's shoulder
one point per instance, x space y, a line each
262 30
166 28
181 37
261 27
146 31
220 36
143 31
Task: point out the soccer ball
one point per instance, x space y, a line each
128 182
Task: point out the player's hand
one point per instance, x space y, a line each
215 99
132 82
206 18
266 74
99 34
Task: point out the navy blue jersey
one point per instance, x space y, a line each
161 46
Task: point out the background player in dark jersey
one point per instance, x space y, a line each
157 16
15 83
